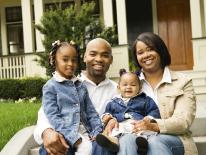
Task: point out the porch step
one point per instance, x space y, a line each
199 83
199 125
20 143
201 144
34 151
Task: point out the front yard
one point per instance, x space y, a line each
15 116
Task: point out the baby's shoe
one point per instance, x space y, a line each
142 145
107 142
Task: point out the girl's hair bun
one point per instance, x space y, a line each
122 71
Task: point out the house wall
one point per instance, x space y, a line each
198 22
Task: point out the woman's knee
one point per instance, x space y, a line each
166 144
127 138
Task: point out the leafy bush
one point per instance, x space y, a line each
32 87
10 88
23 88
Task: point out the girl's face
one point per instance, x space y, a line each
66 61
147 58
129 85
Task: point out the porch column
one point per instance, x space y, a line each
197 25
27 26
3 32
121 22
38 12
108 13
204 5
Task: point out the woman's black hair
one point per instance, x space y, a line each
56 45
154 42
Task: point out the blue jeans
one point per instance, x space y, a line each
157 145
98 150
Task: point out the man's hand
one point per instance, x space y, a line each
54 142
110 125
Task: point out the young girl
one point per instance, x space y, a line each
66 102
130 105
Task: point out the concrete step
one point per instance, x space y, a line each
200 89
198 127
201 98
201 144
199 83
20 143
195 74
34 151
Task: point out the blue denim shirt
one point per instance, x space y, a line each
67 103
138 107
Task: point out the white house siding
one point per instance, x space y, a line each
198 22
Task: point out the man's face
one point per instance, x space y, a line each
98 57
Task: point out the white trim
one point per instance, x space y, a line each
27 26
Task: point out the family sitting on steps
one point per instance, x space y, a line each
86 114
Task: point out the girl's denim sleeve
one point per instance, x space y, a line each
51 109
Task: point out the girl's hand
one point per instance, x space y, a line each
106 118
145 124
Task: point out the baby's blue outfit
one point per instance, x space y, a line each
66 104
138 107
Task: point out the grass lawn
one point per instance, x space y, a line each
15 116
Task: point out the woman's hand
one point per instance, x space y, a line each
54 142
145 124
110 125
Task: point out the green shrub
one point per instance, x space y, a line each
23 88
10 89
32 87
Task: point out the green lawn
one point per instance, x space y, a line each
15 116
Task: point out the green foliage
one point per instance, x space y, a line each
14 117
75 23
23 88
32 87
10 88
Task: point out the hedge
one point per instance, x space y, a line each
22 88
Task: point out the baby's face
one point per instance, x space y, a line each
129 85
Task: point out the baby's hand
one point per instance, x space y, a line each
106 118
92 138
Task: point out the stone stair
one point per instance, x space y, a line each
198 127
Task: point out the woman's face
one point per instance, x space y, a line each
147 58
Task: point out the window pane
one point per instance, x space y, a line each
15 38
13 14
54 6
96 9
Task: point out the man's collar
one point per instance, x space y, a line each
60 78
83 77
167 78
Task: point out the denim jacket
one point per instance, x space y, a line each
66 104
138 107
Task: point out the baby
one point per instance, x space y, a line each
128 106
